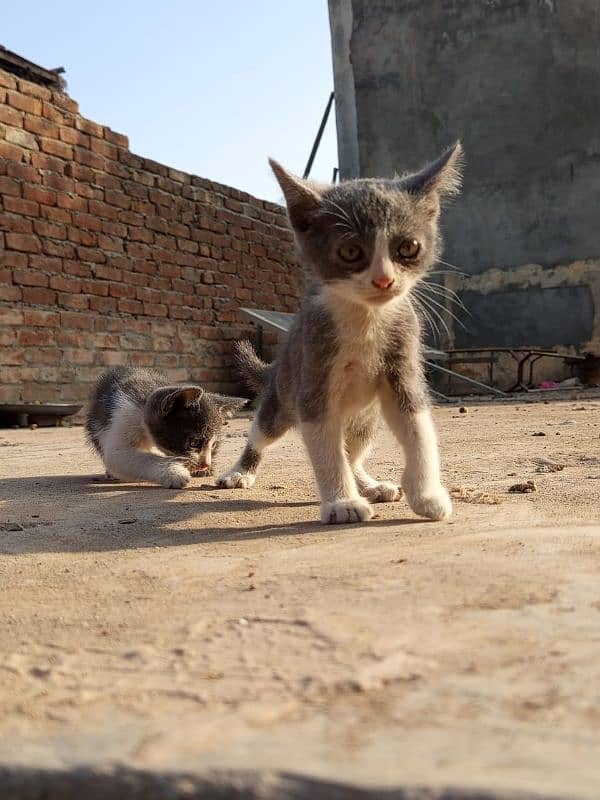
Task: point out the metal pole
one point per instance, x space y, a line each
315 146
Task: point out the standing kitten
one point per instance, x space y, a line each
355 344
136 417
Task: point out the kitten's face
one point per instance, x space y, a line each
371 240
186 422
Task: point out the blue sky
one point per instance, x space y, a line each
212 88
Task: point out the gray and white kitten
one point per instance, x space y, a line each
355 345
146 429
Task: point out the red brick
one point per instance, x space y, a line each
88 222
45 319
48 163
89 127
50 229
105 340
15 224
103 304
130 306
76 302
79 356
39 296
24 242
31 105
58 182
43 355
56 148
65 102
7 80
107 272
73 136
80 321
11 151
122 290
155 309
10 116
8 338
10 356
30 277
39 195
60 249
70 338
40 126
64 284
103 210
72 202
11 258
118 139
15 205
34 89
89 159
10 186
116 198
11 293
91 254
40 337
23 172
103 148
85 238
71 266
95 287
11 316
56 214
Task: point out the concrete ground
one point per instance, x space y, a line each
208 643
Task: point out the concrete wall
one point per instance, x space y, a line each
108 258
519 82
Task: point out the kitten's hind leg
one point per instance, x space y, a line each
130 464
359 435
340 498
269 425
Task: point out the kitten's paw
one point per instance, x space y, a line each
344 511
434 505
383 492
176 476
236 480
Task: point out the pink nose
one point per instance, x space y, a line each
202 465
383 282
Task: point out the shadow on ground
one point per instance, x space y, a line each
66 513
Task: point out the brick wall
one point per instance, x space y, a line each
108 258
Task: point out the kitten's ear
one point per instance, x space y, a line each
302 198
175 397
228 406
443 177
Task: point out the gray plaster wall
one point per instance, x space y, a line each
517 80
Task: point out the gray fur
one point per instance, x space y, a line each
356 342
133 412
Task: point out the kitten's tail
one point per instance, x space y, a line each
253 369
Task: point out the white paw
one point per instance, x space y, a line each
236 480
344 511
176 476
384 492
434 505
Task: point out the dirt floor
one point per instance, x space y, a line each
229 633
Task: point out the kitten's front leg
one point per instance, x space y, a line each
340 499
421 480
130 464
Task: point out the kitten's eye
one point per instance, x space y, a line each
407 249
350 252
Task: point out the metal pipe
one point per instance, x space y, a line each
317 142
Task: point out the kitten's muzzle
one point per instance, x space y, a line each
383 282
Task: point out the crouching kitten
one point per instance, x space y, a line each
146 429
